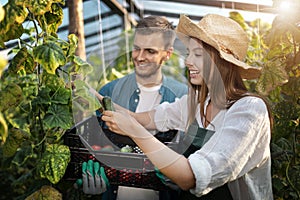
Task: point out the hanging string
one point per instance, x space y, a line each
258 26
131 7
101 41
142 8
126 38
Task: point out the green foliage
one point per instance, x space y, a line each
35 102
14 141
45 193
276 49
16 14
22 60
54 162
3 62
10 96
284 43
172 68
3 129
50 56
84 102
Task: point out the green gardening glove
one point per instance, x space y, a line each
94 180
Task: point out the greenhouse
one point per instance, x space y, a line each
149 99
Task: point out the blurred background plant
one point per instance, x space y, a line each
276 48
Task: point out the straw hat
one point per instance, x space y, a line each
225 35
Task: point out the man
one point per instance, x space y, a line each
146 87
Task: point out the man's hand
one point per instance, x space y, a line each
94 180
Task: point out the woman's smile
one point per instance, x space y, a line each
194 73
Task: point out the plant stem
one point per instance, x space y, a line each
288 178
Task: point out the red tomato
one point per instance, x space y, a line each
96 147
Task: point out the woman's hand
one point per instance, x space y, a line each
121 122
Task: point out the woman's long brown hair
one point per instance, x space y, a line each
226 85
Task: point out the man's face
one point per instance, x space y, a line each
148 54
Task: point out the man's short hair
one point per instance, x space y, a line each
157 24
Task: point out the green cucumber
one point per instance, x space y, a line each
108 104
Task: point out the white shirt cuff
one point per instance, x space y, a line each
202 172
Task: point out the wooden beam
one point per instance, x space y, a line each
114 5
171 15
88 20
133 8
253 7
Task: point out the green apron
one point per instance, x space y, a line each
192 141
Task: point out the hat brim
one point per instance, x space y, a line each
187 29
246 71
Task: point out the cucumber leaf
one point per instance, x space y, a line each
54 162
50 56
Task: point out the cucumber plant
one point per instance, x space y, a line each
35 97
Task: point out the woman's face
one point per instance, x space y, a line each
194 61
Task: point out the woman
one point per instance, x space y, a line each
232 127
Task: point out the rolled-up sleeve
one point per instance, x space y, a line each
170 116
240 144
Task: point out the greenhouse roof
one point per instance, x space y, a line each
104 20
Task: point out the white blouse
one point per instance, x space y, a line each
238 153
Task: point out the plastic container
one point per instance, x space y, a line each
122 168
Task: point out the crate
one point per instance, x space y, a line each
126 169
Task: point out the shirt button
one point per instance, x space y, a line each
136 100
137 90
